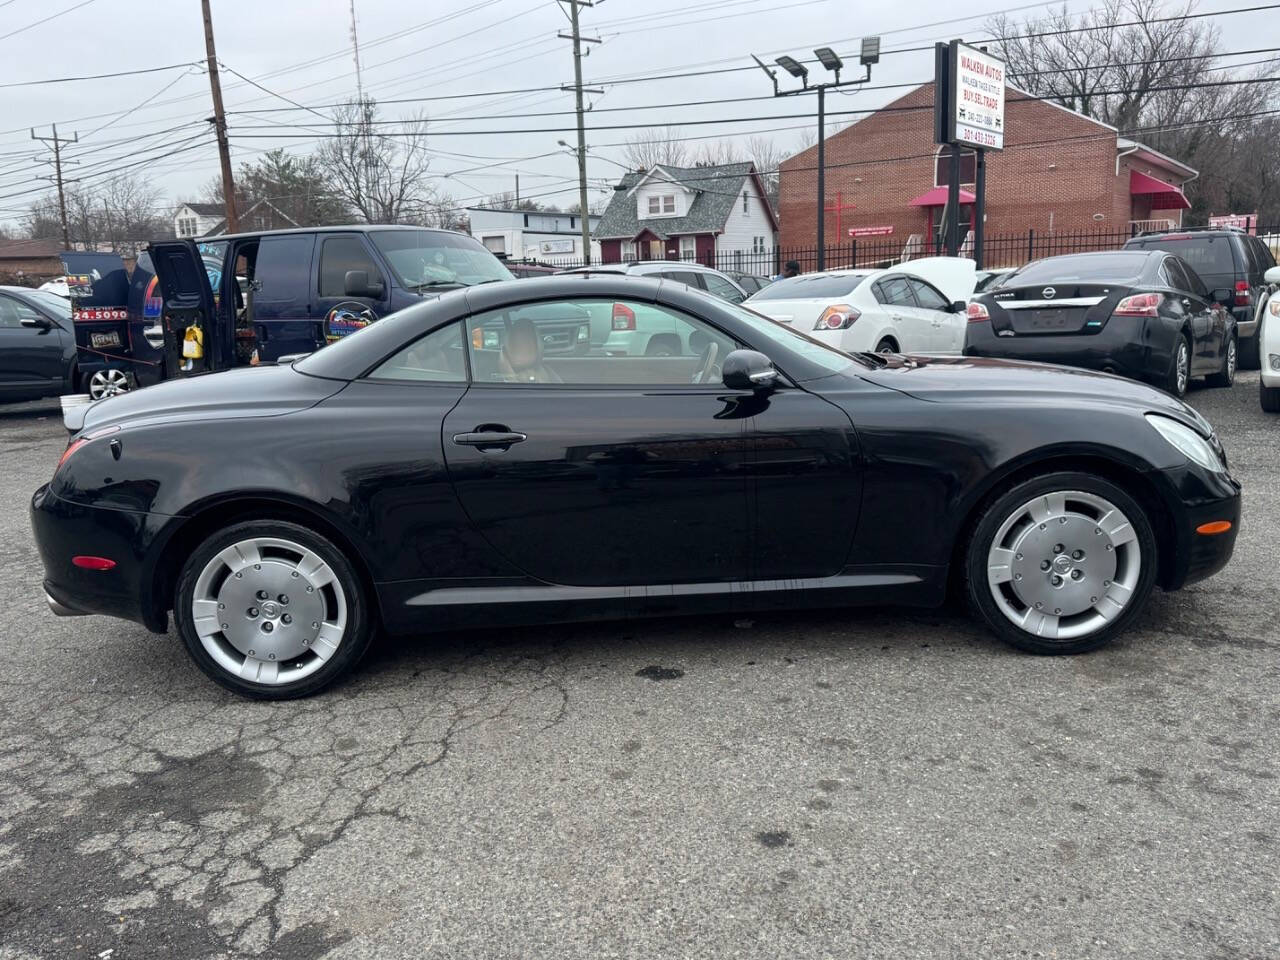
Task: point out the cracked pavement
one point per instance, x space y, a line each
879 784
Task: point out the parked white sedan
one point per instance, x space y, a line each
914 307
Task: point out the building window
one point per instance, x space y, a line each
942 166
688 248
663 204
186 226
757 244
496 244
629 250
744 202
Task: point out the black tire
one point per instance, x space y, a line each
1005 505
355 639
1172 383
1269 397
1250 351
1230 360
886 345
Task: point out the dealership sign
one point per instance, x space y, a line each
871 231
1244 221
555 246
977 92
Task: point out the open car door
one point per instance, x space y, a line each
188 311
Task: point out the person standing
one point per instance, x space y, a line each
789 269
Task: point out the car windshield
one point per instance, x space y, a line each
826 357
1207 255
816 286
1116 267
422 258
60 307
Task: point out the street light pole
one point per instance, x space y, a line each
870 53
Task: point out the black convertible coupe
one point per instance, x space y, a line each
436 470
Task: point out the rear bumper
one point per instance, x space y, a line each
64 529
1140 353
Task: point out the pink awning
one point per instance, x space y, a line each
1164 196
937 197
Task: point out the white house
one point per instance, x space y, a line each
717 215
207 219
531 234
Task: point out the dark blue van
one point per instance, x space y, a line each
256 297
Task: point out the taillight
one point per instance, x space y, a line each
80 441
1243 297
1138 305
624 318
976 311
838 316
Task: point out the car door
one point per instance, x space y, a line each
913 330
602 471
946 329
338 312
1202 315
32 350
282 312
186 300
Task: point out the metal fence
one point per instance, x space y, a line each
999 251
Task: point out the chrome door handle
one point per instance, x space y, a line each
482 439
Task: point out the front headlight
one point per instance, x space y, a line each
1187 442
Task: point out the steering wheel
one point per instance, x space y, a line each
707 364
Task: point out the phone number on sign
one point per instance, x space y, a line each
981 138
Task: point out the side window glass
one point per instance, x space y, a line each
551 342
1265 257
897 292
1173 275
9 317
337 256
682 276
436 358
722 288
927 296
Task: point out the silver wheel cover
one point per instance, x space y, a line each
107 383
1184 366
269 611
1064 565
1231 359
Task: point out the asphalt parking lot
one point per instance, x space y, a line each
886 785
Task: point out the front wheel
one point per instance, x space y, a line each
1060 563
272 610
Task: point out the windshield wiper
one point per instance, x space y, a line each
875 359
427 284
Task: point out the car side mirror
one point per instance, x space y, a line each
748 370
959 306
37 323
356 283
1272 275
1224 296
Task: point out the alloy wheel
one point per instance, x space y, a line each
108 383
269 611
1231 359
1184 366
1064 565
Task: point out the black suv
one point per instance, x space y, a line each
1224 257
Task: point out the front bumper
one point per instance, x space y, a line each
64 529
1196 497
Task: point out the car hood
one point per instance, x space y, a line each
955 277
979 379
263 391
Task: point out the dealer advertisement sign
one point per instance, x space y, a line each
977 86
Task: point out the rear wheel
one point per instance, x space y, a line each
1060 563
886 346
272 610
1227 375
1179 374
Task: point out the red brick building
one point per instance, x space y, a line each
1060 172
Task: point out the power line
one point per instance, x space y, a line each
95 76
52 16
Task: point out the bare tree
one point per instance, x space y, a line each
118 214
767 156
714 153
654 147
1140 66
380 175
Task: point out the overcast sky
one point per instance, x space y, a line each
300 49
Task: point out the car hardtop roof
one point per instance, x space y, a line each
340 228
626 264
1236 231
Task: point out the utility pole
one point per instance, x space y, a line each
868 55
57 173
577 39
220 124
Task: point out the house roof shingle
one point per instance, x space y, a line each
204 209
29 249
718 189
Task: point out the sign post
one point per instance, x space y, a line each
968 112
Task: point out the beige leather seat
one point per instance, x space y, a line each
521 360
